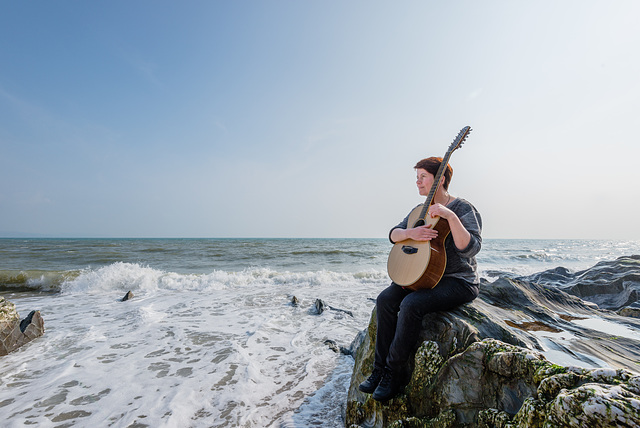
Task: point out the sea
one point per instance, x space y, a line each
218 333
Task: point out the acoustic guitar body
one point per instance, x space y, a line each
419 264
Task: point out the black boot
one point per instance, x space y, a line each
390 385
370 385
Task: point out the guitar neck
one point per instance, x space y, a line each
436 182
457 142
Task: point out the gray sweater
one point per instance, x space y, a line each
460 263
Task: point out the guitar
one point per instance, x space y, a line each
420 264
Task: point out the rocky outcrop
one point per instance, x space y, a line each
611 285
549 320
15 332
484 365
492 384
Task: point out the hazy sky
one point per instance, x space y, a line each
305 118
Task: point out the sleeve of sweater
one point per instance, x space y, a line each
472 221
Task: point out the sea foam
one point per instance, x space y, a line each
209 350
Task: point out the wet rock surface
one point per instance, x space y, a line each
611 285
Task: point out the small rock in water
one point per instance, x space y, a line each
332 345
127 296
320 306
341 310
337 348
294 301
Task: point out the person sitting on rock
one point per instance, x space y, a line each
399 309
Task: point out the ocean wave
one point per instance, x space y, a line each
123 277
541 256
536 260
36 280
333 252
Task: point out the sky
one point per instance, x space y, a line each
304 119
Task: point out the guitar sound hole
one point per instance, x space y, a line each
409 250
419 223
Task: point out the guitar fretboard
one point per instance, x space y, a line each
457 142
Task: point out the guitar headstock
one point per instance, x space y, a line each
459 140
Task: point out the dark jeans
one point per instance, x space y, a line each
400 313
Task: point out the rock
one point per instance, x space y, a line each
8 313
294 301
332 345
337 348
528 309
320 306
632 310
27 321
483 365
341 349
14 332
494 384
344 311
610 284
127 296
355 344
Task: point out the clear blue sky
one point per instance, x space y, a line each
305 118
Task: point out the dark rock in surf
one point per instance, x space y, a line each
319 306
294 301
15 332
127 296
332 345
336 348
344 311
339 349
